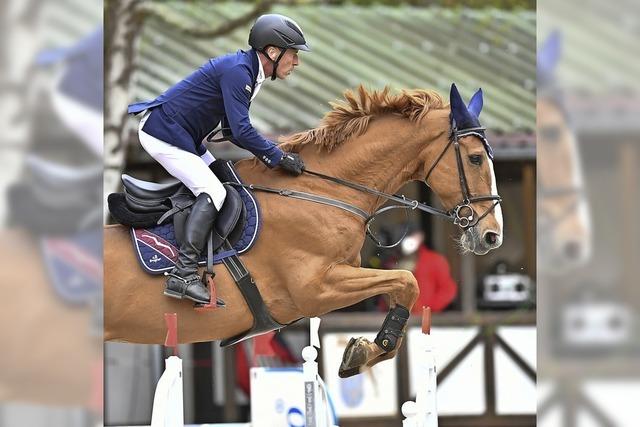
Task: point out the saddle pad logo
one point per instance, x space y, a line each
157 243
74 267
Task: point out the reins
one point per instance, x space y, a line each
462 214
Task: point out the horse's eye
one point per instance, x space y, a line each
475 159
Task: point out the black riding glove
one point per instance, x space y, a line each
292 163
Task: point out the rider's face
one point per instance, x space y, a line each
287 63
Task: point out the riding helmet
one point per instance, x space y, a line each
277 30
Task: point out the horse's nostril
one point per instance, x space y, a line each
572 249
491 238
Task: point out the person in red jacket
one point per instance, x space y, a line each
432 271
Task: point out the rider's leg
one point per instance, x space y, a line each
85 122
183 281
189 168
194 172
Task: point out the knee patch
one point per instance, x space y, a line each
392 328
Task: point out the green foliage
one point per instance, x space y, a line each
474 4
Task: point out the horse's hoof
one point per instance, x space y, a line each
346 373
353 358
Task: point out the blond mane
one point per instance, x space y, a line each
349 118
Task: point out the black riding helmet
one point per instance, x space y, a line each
279 31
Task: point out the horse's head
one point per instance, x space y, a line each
458 166
563 214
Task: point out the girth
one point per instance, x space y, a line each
262 320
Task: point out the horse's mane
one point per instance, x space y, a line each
351 116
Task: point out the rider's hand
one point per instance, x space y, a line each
292 163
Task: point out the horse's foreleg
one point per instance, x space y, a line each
345 285
391 333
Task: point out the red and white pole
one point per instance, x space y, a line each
423 412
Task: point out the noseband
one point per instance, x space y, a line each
463 213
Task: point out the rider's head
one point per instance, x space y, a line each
278 39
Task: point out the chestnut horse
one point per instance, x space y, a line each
306 261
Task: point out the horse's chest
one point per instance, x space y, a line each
345 243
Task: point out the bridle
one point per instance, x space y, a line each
577 193
461 215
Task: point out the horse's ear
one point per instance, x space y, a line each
454 96
475 105
549 55
459 110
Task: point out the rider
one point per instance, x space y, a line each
176 123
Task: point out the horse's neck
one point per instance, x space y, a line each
382 158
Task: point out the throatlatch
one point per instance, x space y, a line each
392 328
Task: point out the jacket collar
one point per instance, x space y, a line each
260 76
255 63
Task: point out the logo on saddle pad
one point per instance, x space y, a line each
155 258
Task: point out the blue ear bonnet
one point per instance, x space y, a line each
464 117
548 58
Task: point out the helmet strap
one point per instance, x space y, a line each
276 62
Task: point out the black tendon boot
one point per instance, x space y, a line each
183 280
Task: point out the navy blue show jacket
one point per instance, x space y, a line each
220 90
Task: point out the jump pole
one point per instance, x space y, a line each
168 410
317 405
423 412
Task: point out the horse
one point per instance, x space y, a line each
563 213
57 365
306 262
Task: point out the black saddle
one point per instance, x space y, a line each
146 204
151 197
150 190
56 198
63 176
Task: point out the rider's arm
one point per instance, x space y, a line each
236 87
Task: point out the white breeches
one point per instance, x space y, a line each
83 121
189 168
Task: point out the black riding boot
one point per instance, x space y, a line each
183 280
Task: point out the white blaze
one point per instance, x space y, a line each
494 192
577 181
